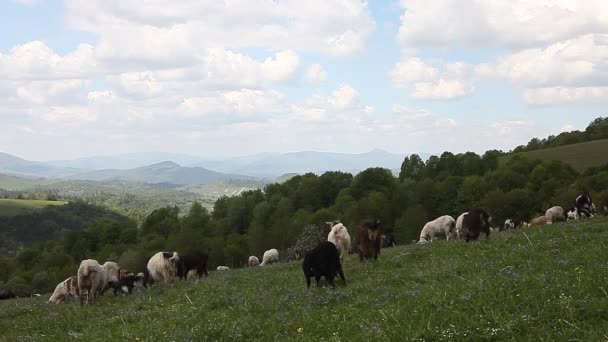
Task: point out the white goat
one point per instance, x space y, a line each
339 237
441 225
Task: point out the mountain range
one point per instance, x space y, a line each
183 169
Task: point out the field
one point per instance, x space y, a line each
580 156
537 284
13 207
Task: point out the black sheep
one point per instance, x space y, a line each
195 260
323 261
475 222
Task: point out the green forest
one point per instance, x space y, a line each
39 257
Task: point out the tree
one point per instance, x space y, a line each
373 179
411 167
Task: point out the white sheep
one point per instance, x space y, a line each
91 280
441 225
65 289
459 225
555 214
253 261
223 268
162 266
270 256
339 237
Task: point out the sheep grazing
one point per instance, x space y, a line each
126 282
444 225
539 221
162 267
65 289
223 268
270 256
388 240
572 214
253 261
459 225
112 272
555 214
369 241
474 222
194 260
6 294
514 223
91 280
323 261
339 237
584 205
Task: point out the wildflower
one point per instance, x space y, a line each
300 330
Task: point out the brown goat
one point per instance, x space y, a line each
369 240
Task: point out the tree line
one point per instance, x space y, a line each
276 216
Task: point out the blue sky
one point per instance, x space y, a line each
212 78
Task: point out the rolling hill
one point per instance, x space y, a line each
538 284
16 165
580 156
273 165
13 207
165 172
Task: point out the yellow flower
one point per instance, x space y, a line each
300 330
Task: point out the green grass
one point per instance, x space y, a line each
580 156
13 207
10 182
539 284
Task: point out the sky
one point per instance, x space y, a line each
238 77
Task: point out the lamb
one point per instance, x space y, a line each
162 267
223 268
539 221
126 282
65 289
339 237
253 261
555 214
388 240
270 256
91 280
475 222
323 261
441 225
368 241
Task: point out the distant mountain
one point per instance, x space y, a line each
274 165
165 172
125 161
16 165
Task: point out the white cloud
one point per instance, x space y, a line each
36 61
424 81
582 61
565 95
316 73
242 105
485 23
164 30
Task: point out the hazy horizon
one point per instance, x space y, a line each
227 79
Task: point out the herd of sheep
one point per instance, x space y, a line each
470 224
324 260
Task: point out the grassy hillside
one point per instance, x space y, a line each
537 284
13 207
580 156
10 182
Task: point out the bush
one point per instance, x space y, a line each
308 239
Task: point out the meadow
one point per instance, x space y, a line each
13 207
537 284
580 156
